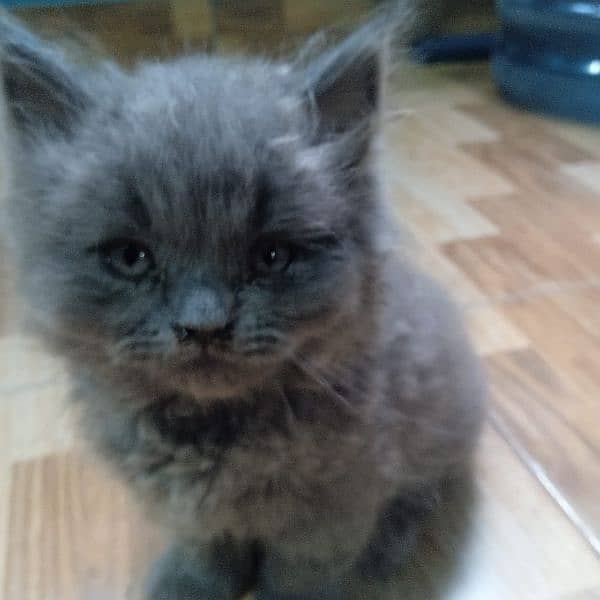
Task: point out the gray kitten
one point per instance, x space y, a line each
204 240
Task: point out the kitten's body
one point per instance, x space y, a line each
383 421
301 445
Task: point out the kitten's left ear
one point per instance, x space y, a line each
344 83
43 90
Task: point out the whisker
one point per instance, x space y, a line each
290 413
140 349
313 373
440 430
262 344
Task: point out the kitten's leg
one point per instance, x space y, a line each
221 570
307 580
301 579
396 535
364 577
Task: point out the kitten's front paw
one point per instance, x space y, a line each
177 586
318 592
278 581
188 573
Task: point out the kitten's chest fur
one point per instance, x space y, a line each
257 470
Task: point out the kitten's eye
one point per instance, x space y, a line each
127 258
272 257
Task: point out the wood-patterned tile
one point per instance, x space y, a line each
522 518
462 287
435 215
491 332
554 432
447 125
426 164
585 137
74 535
587 173
41 420
527 130
569 350
511 550
423 222
495 265
582 305
25 363
423 90
540 178
560 247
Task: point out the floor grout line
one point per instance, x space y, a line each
536 469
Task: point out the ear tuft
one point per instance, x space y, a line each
344 82
43 91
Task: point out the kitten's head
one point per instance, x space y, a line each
198 222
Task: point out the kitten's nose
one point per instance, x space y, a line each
204 315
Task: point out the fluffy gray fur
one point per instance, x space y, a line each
204 241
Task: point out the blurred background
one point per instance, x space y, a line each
495 178
132 30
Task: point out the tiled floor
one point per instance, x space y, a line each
504 208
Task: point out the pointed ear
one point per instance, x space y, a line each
43 91
344 83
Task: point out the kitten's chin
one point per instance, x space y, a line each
218 381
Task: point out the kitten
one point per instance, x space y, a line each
205 241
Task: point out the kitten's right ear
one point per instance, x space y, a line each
43 91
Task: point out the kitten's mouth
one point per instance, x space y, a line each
208 377
224 355
206 362
205 357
